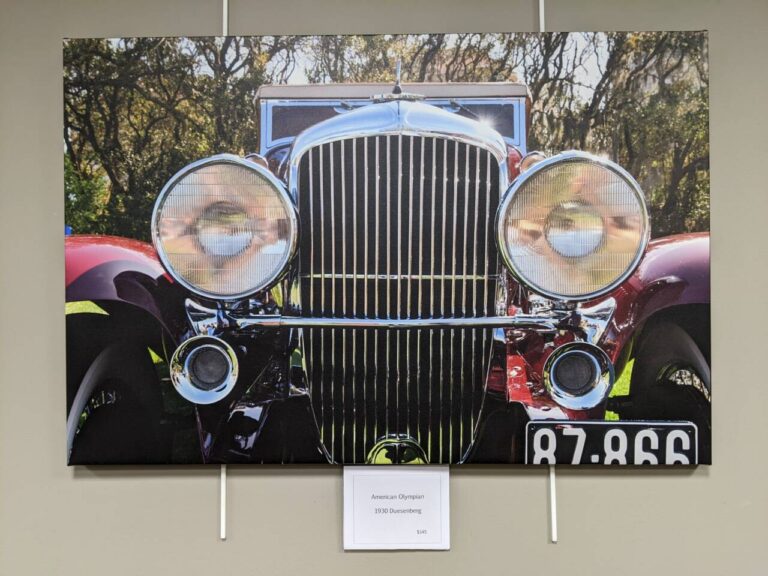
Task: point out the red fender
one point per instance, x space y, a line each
84 253
674 272
112 269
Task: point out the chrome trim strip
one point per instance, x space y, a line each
443 259
410 227
432 229
488 192
365 245
344 364
399 302
311 235
322 229
388 367
354 337
378 222
365 289
332 307
455 232
421 225
355 238
343 227
389 231
465 250
333 231
474 241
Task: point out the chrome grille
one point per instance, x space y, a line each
397 226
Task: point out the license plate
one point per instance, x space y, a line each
618 443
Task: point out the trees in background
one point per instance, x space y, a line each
137 110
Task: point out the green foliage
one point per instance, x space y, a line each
86 200
136 110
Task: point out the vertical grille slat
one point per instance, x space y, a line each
397 226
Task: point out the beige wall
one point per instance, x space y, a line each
59 520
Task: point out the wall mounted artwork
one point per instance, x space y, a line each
436 248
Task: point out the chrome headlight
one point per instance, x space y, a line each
224 227
573 227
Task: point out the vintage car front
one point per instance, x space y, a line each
406 287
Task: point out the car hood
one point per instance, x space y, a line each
406 117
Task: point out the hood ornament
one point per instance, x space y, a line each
397 91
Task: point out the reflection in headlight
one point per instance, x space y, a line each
224 230
574 230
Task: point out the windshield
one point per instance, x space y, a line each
286 119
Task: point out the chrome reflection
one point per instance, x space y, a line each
400 117
204 369
592 320
574 229
225 230
397 449
529 160
578 375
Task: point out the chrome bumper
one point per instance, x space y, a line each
592 321
518 321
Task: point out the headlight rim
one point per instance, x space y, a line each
285 198
563 157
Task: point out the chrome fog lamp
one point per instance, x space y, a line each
224 227
578 375
204 369
573 227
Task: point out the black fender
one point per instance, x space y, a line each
117 290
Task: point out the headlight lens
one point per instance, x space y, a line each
224 227
573 227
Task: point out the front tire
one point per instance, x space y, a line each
116 413
671 381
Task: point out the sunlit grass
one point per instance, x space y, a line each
621 388
84 307
156 359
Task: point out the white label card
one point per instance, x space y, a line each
396 508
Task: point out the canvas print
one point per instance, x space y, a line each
389 249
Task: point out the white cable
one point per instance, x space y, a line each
223 502
223 469
552 477
552 503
